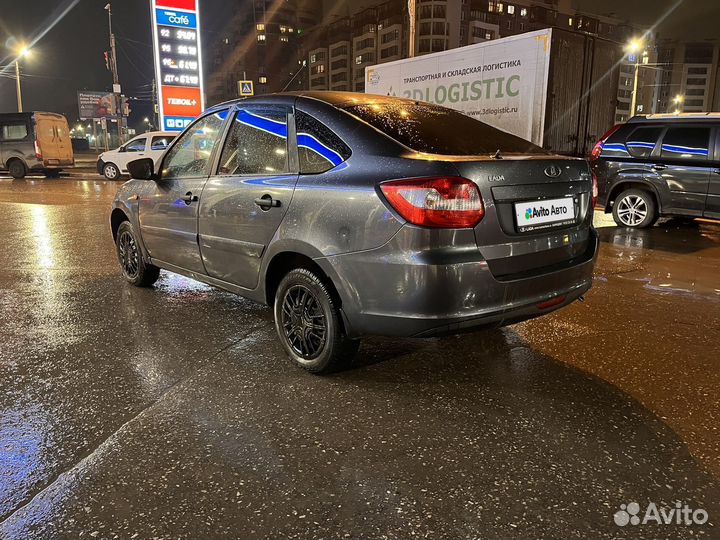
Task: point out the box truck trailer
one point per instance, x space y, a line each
554 87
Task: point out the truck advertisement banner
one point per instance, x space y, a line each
501 82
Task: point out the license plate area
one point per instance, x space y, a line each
544 214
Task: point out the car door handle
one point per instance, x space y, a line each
266 202
189 198
659 167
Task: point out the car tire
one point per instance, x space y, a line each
309 325
134 269
636 209
111 171
17 169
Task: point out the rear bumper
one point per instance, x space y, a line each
396 292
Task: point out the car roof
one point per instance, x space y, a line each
336 99
682 117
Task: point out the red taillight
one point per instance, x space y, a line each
594 188
38 152
598 148
444 202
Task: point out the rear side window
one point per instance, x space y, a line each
686 143
642 141
256 143
319 149
161 142
14 132
437 130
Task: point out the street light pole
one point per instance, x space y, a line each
17 81
633 102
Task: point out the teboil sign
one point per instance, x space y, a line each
178 62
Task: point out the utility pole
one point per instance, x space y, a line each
17 81
411 37
116 78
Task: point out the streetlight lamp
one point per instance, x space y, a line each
678 101
634 48
23 52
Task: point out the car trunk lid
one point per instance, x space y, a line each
538 211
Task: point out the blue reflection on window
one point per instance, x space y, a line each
684 150
616 147
305 140
274 127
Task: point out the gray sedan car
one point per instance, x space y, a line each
355 215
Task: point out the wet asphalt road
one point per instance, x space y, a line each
171 412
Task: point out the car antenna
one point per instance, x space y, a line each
497 155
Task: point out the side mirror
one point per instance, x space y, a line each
122 149
142 169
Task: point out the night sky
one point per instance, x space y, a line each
69 56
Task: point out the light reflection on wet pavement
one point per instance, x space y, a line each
171 412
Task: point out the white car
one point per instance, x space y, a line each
113 164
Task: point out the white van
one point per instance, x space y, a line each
35 142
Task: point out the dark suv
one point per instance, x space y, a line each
659 165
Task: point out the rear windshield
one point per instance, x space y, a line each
436 130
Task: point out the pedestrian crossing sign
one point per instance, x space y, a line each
245 88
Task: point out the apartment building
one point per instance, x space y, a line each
688 78
338 53
261 43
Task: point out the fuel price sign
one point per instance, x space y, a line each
178 64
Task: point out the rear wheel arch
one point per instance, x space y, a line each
286 261
632 184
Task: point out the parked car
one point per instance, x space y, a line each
356 215
113 164
34 142
659 165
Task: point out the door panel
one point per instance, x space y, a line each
168 222
169 211
684 167
712 205
243 205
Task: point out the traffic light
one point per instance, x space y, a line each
107 60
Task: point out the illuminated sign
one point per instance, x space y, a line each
178 63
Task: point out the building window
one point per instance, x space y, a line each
358 59
511 10
313 58
261 37
283 29
390 51
260 27
523 12
570 21
262 79
284 38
